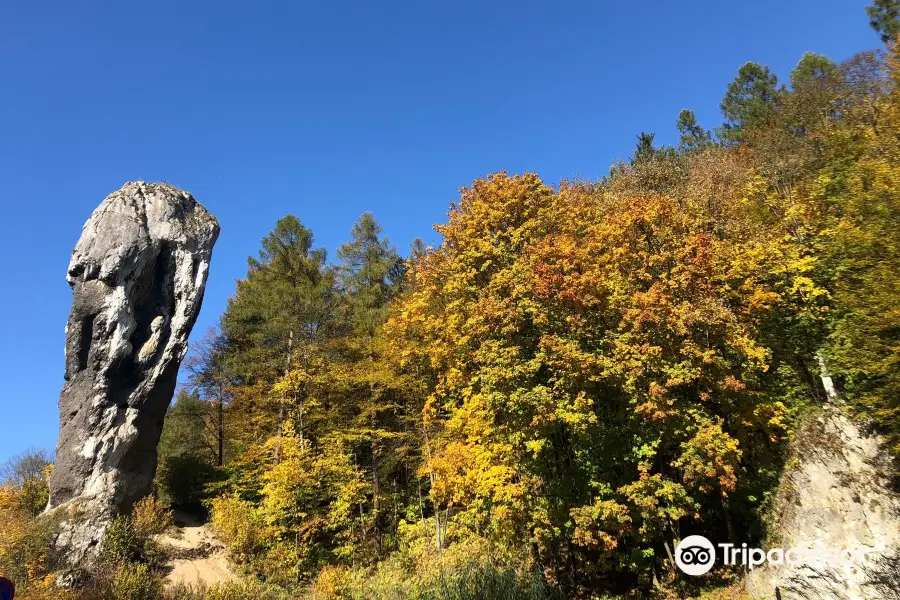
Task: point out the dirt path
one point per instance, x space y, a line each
196 555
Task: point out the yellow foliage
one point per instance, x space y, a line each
151 517
238 525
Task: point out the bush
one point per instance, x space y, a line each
333 583
470 569
151 517
26 556
485 581
238 526
33 495
228 591
181 480
135 582
121 543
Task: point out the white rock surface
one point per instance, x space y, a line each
137 274
835 491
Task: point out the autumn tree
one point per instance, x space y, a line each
26 475
600 361
207 366
276 316
856 206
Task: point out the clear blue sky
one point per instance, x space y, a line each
329 109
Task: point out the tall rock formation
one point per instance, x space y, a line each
835 494
137 274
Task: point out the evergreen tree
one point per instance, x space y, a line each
813 69
884 17
693 137
750 101
185 430
369 275
279 311
186 451
645 150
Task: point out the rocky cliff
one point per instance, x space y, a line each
137 274
835 494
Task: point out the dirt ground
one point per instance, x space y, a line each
197 557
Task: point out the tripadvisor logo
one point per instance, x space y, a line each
696 555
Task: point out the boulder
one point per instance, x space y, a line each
137 274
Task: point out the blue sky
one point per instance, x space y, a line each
329 109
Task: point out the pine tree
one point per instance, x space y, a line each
644 150
884 17
693 137
749 102
369 276
279 311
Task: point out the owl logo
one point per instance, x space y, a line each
695 555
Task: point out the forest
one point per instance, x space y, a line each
578 376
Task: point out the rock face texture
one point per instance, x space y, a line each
836 491
137 274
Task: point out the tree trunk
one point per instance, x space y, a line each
281 407
221 426
376 505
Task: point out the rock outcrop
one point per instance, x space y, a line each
137 274
834 494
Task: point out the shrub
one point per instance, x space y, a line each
238 525
151 517
135 581
485 581
471 569
227 591
121 543
25 549
333 583
33 495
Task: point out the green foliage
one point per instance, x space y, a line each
135 581
283 301
857 205
182 480
469 569
369 275
645 150
811 69
693 137
34 495
187 452
122 543
489 582
243 590
884 17
750 101
129 538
